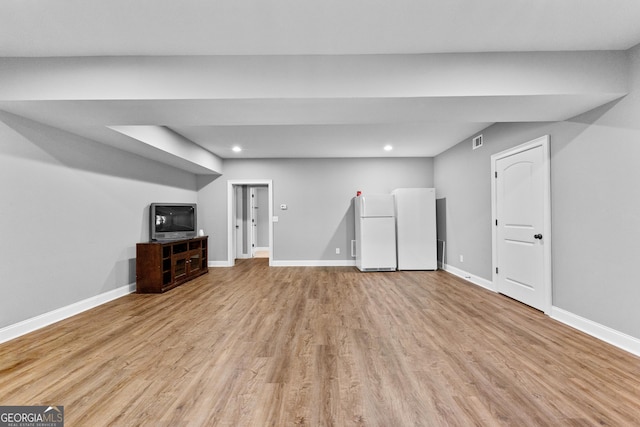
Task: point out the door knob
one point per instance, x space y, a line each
537 236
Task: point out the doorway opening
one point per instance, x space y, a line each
250 226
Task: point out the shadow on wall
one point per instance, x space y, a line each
204 180
600 113
441 229
342 237
80 153
123 271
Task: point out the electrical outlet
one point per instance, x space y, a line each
337 251
461 258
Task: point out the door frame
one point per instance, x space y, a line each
254 223
231 206
240 232
543 142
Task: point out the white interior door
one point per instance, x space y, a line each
522 229
254 219
241 227
262 218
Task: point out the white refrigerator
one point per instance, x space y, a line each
375 244
416 228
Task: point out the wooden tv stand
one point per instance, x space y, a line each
161 266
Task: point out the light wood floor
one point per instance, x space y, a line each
259 346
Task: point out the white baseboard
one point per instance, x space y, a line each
487 284
21 328
295 263
589 327
219 264
314 263
604 333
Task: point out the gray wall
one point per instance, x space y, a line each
595 206
319 195
71 213
72 210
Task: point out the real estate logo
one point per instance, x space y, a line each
31 416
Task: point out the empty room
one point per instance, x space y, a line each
347 213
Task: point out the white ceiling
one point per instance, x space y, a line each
299 27
277 99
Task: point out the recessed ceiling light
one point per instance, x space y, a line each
388 147
236 149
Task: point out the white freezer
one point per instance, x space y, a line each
415 210
375 205
375 245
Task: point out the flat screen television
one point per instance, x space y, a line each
173 221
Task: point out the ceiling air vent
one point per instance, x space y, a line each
477 142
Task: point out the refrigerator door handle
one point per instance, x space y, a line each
353 248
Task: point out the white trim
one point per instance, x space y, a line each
230 220
543 142
213 264
589 327
604 333
611 336
243 231
29 325
476 280
315 263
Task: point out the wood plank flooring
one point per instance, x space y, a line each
284 346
